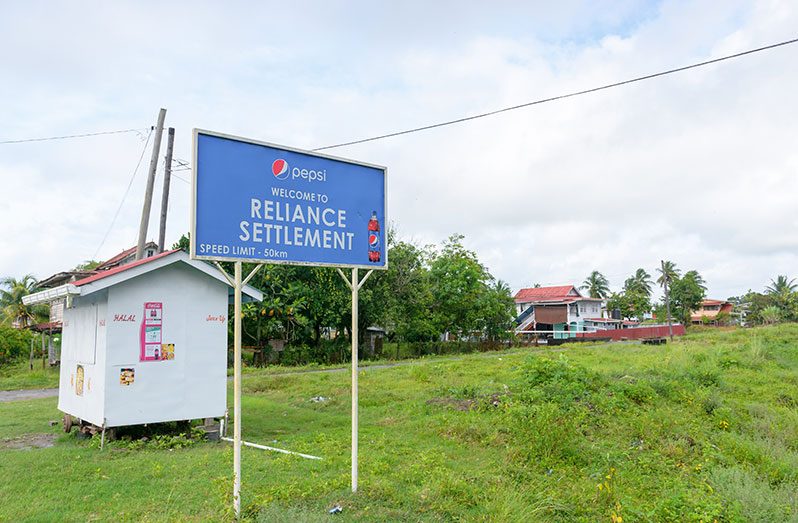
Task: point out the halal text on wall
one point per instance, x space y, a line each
260 202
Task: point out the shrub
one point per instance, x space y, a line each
13 343
559 381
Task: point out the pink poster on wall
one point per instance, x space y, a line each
151 332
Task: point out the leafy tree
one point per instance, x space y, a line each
751 304
88 265
633 304
596 285
686 295
458 280
496 311
13 343
11 306
410 301
183 243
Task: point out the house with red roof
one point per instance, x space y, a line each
710 311
54 325
559 311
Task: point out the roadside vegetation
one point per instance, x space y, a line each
704 429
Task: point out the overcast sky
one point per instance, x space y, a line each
700 167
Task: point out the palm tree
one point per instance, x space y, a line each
11 307
781 292
781 286
596 285
668 273
697 279
640 282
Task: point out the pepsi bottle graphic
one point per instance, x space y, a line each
374 238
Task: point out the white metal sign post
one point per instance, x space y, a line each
355 285
262 203
237 392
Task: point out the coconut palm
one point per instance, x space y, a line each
696 278
639 283
11 307
781 292
596 285
667 273
781 286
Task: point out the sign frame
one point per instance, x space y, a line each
193 224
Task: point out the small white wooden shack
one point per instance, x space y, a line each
145 342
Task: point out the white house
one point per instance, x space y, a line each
559 310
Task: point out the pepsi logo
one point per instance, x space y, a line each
280 169
374 240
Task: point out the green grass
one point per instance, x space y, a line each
702 429
17 375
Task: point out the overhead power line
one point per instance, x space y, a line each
560 97
124 196
83 135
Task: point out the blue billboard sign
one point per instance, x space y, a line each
260 202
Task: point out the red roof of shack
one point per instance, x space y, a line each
121 268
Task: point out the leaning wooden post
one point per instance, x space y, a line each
30 359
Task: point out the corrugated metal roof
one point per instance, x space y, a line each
121 268
544 293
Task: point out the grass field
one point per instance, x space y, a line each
704 429
19 376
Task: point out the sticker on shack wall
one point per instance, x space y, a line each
80 374
167 351
151 332
127 376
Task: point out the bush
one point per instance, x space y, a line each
558 381
13 343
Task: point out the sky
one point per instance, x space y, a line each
699 167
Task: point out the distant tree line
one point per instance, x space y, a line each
427 293
634 300
778 302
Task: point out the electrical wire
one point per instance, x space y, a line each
124 196
559 97
84 135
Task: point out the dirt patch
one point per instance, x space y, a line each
466 404
453 403
29 441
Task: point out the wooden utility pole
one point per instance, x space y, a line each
665 280
167 176
145 211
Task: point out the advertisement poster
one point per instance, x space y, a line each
151 332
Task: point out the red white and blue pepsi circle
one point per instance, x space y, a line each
280 169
